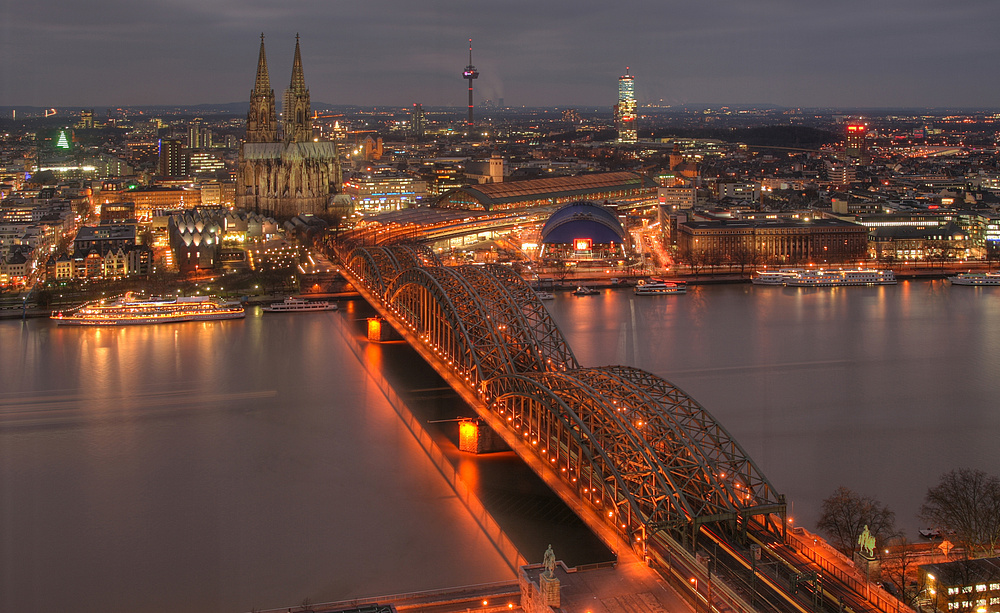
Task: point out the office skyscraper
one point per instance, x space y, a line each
625 111
417 121
173 159
856 147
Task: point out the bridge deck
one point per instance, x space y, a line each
639 461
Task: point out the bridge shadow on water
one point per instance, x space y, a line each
530 513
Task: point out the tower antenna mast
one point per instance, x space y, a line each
470 74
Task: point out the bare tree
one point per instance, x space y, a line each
966 502
899 568
846 513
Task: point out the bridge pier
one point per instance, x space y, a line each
380 331
474 436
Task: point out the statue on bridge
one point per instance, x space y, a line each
867 542
549 562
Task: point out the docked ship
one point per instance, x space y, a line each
826 278
838 278
129 310
976 278
776 277
583 290
660 288
299 305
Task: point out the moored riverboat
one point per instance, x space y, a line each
660 288
976 278
129 310
299 305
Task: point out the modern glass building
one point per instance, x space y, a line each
626 109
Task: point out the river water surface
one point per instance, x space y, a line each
225 466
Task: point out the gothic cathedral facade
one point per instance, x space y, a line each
283 173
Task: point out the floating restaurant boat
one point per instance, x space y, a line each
660 288
299 305
976 278
128 310
826 278
838 278
776 277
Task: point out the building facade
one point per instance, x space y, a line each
817 241
964 585
289 173
625 112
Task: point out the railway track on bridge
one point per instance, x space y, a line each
642 463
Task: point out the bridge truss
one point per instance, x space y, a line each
635 450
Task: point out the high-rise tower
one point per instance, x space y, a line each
856 146
296 118
262 125
417 121
470 74
626 110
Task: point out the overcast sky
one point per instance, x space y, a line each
844 53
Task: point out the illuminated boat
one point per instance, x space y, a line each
976 278
583 290
797 277
660 288
128 310
776 277
299 305
840 278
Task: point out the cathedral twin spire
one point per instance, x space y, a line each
262 125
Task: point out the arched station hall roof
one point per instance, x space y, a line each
583 219
555 190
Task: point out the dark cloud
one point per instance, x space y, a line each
794 53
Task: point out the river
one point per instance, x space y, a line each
225 466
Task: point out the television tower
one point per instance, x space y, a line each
470 74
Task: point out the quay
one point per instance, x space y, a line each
629 587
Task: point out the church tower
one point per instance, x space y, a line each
262 125
297 121
293 175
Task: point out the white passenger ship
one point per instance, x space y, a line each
826 278
129 310
976 278
298 305
776 277
660 288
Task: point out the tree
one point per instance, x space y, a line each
966 502
845 515
899 568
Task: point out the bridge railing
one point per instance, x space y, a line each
815 551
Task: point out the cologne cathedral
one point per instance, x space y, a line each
282 171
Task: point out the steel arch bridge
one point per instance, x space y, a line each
637 453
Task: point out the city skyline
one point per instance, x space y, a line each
893 54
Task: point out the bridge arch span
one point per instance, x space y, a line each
639 454
442 308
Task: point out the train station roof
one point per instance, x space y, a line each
555 190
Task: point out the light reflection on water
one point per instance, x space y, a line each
217 466
229 465
878 389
